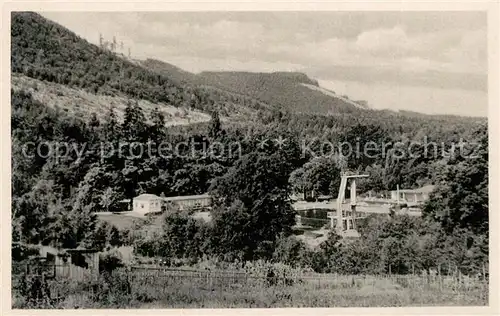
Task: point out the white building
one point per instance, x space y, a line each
147 203
150 203
415 196
190 201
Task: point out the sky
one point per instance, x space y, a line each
441 54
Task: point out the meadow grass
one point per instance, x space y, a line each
205 292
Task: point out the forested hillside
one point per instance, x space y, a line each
44 50
252 216
264 90
84 104
283 90
170 71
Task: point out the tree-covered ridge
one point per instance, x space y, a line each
284 90
44 50
47 51
243 89
175 73
69 54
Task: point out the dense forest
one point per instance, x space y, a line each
54 197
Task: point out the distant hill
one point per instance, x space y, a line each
175 73
283 90
46 51
50 53
292 91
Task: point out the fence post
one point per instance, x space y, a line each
484 273
459 278
439 275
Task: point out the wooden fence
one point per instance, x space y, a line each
162 278
52 271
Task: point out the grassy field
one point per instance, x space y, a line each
120 221
126 220
192 289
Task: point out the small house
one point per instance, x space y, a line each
153 204
77 263
147 203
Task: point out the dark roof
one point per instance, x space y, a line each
187 197
152 197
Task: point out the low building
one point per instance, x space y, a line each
190 202
80 264
147 203
151 204
416 196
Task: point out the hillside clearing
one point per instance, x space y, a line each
81 103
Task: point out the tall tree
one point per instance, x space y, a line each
134 127
157 129
111 126
255 191
215 126
321 174
461 197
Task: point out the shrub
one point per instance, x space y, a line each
291 251
22 252
110 261
34 289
